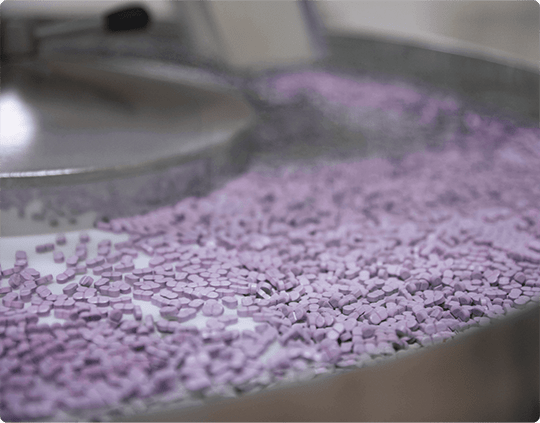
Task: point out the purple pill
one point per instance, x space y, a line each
52 297
72 261
8 272
157 300
165 293
115 316
156 261
25 295
128 308
98 270
86 281
62 278
137 312
131 279
69 303
168 312
228 320
15 280
60 239
80 269
375 295
79 297
30 273
211 295
61 313
242 311
104 243
514 293
100 301
44 310
43 292
145 295
44 280
20 255
113 291
460 313
124 267
114 276
113 257
44 248
217 310
58 257
17 304
70 273
124 288
186 314
520 277
522 300
196 304
95 262
101 282
229 302
164 326
374 318
5 290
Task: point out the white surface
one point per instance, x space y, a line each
12 224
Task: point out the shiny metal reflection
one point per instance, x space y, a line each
18 125
84 121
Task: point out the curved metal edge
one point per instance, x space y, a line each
501 87
451 46
152 70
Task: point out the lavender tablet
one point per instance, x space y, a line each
44 248
186 314
115 316
229 301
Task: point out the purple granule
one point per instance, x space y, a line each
60 239
44 248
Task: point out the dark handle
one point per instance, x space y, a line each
127 19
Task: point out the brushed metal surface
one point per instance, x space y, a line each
88 120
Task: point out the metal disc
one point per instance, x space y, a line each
69 122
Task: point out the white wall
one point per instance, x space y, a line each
508 29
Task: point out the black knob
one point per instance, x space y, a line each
127 19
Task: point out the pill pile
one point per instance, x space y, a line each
282 272
333 264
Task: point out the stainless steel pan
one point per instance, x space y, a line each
488 374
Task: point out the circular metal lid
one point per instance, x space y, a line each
69 122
